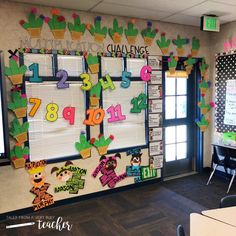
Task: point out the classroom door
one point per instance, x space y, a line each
179 108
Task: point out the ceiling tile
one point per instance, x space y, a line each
161 5
113 9
183 19
82 5
232 2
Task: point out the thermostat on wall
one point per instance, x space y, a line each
210 23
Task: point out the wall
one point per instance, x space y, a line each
15 185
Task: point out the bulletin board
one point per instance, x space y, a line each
225 116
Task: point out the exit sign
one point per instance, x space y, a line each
210 23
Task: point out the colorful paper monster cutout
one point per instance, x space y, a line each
97 31
83 146
164 43
93 64
34 24
116 32
189 64
14 72
18 104
134 169
70 176
102 143
195 46
131 32
77 29
203 123
37 176
149 34
179 43
94 94
107 168
57 24
19 131
172 63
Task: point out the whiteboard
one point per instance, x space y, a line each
112 66
50 140
2 149
44 60
134 65
74 65
132 131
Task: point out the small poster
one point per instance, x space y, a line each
156 77
155 62
156 148
155 120
154 106
156 162
154 91
155 134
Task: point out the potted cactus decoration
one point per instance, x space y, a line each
205 107
203 123
92 62
203 68
94 94
131 32
116 32
180 42
97 31
18 104
172 63
14 72
83 146
19 155
189 64
77 29
18 131
195 46
34 24
102 143
204 86
149 34
57 24
164 43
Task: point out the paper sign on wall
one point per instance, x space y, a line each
154 91
155 106
155 62
155 134
155 148
156 77
155 120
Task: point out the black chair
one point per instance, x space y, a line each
217 161
180 230
230 163
228 201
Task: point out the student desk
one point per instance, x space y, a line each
226 215
204 226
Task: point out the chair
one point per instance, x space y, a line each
180 230
228 201
230 163
216 161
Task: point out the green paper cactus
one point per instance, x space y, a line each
131 33
19 152
97 30
190 61
163 43
57 22
76 29
172 62
116 32
92 59
14 69
83 144
102 141
149 34
203 123
195 46
17 128
180 42
95 91
204 84
203 67
18 101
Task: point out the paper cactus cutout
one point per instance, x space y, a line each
203 123
163 43
195 46
34 24
97 31
19 131
205 107
204 86
102 143
149 34
19 152
94 94
18 104
180 42
131 32
57 24
203 67
172 63
116 32
93 64
83 146
76 29
14 72
189 64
